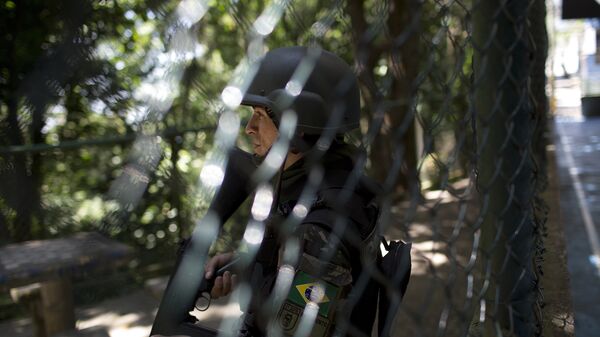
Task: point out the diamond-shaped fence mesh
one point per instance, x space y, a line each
125 119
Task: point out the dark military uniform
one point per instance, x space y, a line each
330 265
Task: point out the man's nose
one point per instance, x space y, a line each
251 126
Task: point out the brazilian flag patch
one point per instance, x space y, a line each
309 289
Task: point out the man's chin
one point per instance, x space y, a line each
258 151
260 154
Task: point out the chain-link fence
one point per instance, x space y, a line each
120 117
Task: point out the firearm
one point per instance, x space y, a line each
207 284
187 283
173 317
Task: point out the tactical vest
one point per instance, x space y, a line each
351 215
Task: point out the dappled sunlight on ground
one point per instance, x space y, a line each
439 296
126 316
130 331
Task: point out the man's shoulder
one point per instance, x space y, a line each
344 212
320 243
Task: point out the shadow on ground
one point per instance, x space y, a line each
440 296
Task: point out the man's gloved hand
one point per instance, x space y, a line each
223 284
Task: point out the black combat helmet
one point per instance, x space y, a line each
318 85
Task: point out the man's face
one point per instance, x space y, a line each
262 131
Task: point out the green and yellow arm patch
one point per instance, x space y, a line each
306 288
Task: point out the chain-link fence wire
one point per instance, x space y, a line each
453 117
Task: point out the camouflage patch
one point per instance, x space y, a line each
329 272
317 241
317 237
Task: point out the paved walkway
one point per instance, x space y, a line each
577 141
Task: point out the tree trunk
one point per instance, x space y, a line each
393 152
18 184
5 236
176 188
38 226
22 186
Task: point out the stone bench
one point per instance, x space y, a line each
38 275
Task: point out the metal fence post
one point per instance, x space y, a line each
502 104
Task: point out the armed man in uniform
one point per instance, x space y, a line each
336 233
332 247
